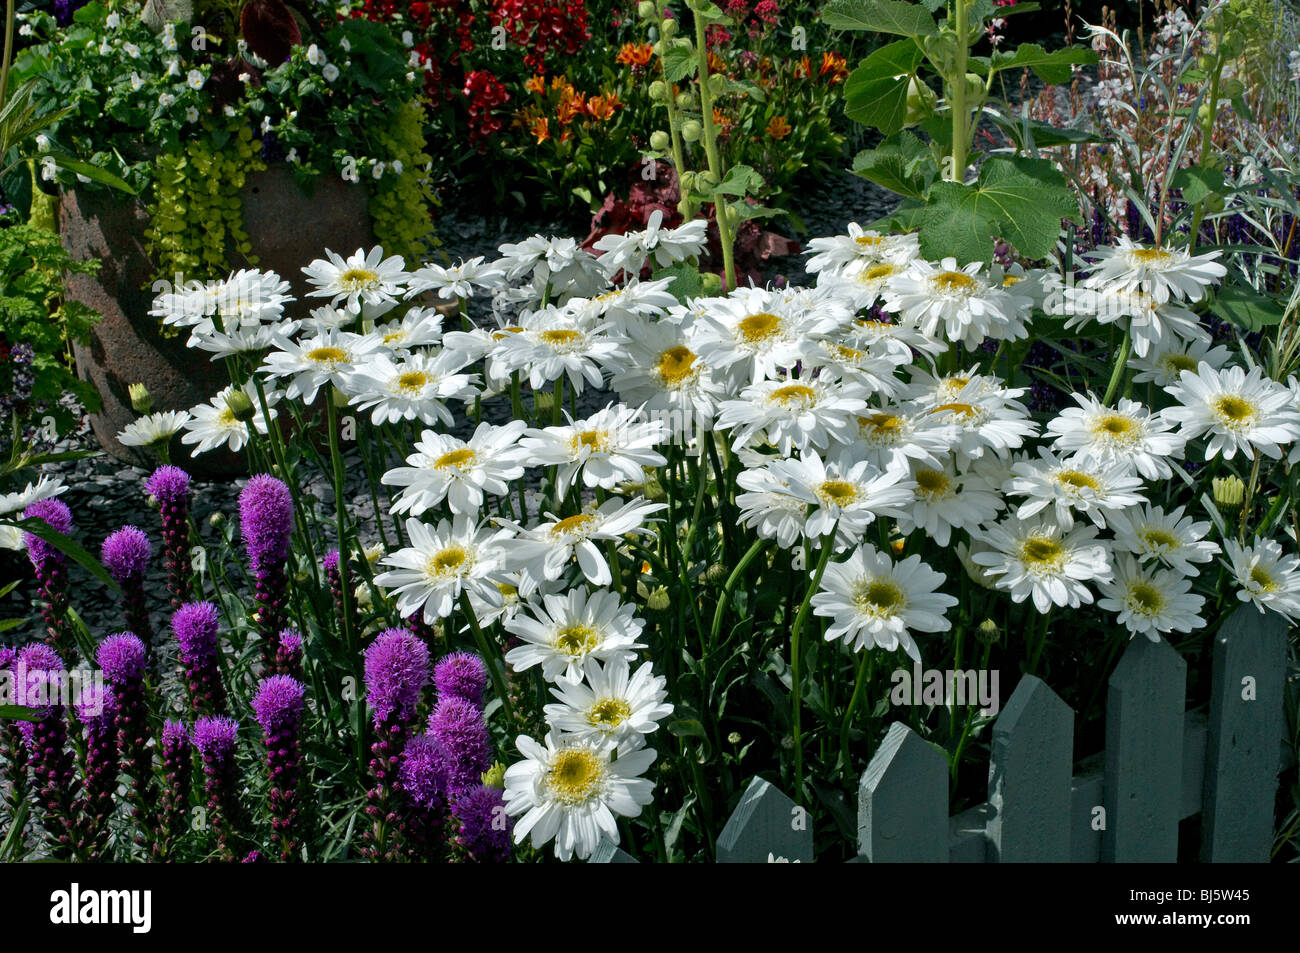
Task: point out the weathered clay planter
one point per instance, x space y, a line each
287 230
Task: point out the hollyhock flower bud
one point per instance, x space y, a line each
216 739
278 706
266 522
97 711
461 729
125 554
177 762
463 675
170 486
41 686
195 626
51 568
483 827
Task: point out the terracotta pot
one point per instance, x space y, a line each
287 230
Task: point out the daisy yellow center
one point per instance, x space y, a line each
227 417
1010 280
561 337
838 492
358 279
879 597
572 525
963 410
507 590
1159 539
447 562
759 327
392 337
609 713
1175 364
412 382
877 272
1234 412
504 333
591 441
933 483
868 241
846 353
793 394
574 776
576 639
327 356
883 425
1149 256
1262 579
1042 553
954 282
454 458
1145 598
1114 427
675 365
1078 480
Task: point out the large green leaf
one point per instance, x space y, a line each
1199 183
896 164
1051 66
740 180
880 16
679 62
1026 132
1246 308
876 92
686 280
1021 201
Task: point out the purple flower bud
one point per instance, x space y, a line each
462 675
278 704
195 625
58 517
169 485
175 740
266 520
331 561
423 773
291 644
215 738
397 670
461 729
122 658
125 553
97 707
484 826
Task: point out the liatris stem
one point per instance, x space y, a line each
334 575
385 751
266 521
170 486
41 671
195 626
279 707
125 554
340 509
97 710
51 569
123 659
177 767
216 738
13 749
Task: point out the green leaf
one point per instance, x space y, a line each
1246 308
880 16
13 842
740 180
679 62
745 211
17 713
896 165
1040 134
92 172
686 280
1021 201
67 545
1052 67
1199 183
876 92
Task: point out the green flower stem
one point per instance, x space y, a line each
726 233
611 552
340 511
8 52
957 86
965 731
724 599
796 706
865 667
277 453
492 659
1121 364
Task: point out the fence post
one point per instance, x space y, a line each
903 801
1029 777
1144 754
766 824
1246 723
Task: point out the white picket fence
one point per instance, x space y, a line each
1162 764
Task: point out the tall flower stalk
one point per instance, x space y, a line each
266 521
170 486
279 706
51 568
125 554
124 662
216 739
177 766
196 626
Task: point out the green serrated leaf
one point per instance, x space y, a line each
895 165
1051 66
679 62
1199 183
740 180
876 92
1246 308
686 281
1021 201
880 16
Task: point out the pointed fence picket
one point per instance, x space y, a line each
1161 765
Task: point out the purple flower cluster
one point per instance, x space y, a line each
216 739
177 765
483 827
96 707
125 554
47 738
462 675
279 706
288 653
51 568
459 726
195 626
170 486
122 658
266 522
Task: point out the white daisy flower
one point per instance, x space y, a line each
415 387
444 467
770 508
896 436
363 278
244 340
1171 538
1268 578
662 373
846 494
852 254
611 446
443 561
794 414
1240 411
1152 324
545 552
873 370
563 632
1128 434
153 428
324 359
418 328
634 302
985 419
1163 273
956 304
943 501
1036 558
550 344
876 602
1163 365
214 423
1079 485
628 252
754 336
46 487
613 705
456 281
554 263
1150 601
570 791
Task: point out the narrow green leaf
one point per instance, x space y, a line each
67 545
1246 308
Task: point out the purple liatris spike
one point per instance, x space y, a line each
13 748
278 706
462 731
422 782
51 569
288 653
125 554
482 825
170 486
195 626
177 767
97 711
216 739
463 675
41 685
266 522
122 658
334 576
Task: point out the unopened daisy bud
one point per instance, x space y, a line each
545 402
141 400
361 596
716 574
988 632
217 519
654 491
659 600
495 776
973 570
241 406
1229 493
